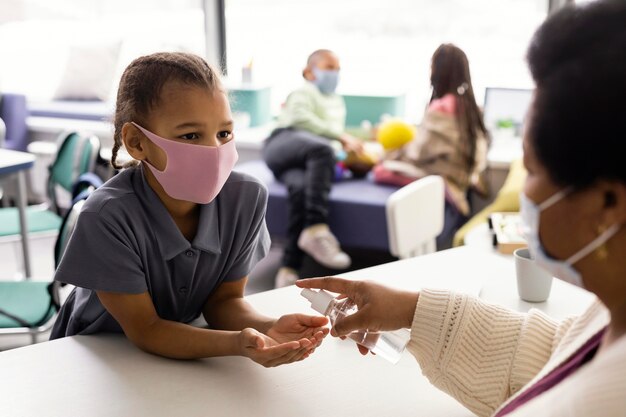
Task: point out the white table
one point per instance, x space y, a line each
16 163
105 375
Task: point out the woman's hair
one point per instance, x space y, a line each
450 74
577 123
142 81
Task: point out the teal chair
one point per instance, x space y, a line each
77 154
30 307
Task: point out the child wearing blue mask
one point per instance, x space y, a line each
175 235
300 155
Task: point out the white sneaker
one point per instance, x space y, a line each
285 277
322 245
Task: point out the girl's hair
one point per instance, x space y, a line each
450 74
141 84
577 123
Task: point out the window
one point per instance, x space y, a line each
384 46
41 39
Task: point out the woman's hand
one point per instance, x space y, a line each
299 327
380 308
268 352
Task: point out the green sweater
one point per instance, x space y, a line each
308 109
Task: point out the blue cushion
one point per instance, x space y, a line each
356 208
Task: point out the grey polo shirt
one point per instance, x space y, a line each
125 241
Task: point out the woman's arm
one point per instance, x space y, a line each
478 353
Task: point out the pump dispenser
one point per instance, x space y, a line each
388 345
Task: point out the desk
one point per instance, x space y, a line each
105 375
14 162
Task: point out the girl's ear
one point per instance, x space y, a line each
132 138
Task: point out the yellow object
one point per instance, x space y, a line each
507 200
395 133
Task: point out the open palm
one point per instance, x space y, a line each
299 326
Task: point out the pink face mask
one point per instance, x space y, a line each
193 173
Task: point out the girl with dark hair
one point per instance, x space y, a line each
451 141
175 235
498 362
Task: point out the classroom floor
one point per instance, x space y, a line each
261 279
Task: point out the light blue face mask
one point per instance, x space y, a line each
564 270
326 80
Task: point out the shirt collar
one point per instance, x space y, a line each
170 240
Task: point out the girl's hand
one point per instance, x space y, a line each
299 327
268 352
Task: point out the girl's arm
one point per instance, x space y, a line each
138 318
226 309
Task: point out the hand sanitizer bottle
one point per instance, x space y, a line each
388 345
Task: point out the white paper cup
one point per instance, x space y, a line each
533 282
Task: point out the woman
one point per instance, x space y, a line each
451 140
502 363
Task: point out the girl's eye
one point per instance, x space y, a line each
224 135
190 136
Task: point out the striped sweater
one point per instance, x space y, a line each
485 355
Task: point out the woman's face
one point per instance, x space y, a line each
565 226
573 222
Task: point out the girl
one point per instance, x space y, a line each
451 141
176 235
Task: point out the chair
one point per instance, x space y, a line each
77 155
30 307
507 200
415 216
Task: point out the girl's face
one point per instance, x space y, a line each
189 114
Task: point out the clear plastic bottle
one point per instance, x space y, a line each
388 345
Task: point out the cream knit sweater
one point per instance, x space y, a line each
484 355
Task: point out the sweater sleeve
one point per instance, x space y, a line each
478 353
301 107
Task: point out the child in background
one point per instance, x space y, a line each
176 235
300 155
451 141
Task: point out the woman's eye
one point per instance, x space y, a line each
224 135
190 136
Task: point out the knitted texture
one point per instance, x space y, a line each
483 355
